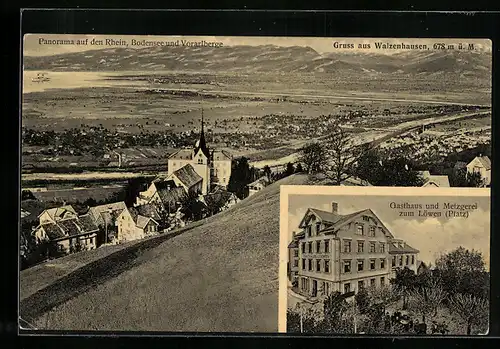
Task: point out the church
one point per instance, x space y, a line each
213 166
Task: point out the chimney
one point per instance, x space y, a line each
335 207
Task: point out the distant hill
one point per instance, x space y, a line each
220 276
267 58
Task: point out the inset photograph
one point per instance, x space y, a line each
391 261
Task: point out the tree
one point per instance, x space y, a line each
27 195
473 310
404 282
342 155
363 300
463 271
191 207
134 186
334 307
398 172
462 178
267 172
290 169
241 175
313 157
419 303
298 168
369 167
215 203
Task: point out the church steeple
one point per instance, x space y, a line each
201 143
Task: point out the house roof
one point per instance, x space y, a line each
142 221
172 196
107 213
262 180
160 185
148 210
182 154
438 180
336 220
293 244
187 175
220 155
485 161
53 231
399 246
87 223
58 212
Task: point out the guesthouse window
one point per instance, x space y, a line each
347 266
361 264
327 266
347 246
372 247
360 230
372 264
372 231
327 246
318 246
361 246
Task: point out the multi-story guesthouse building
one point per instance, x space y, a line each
344 253
214 167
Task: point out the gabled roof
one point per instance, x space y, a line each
148 210
262 180
398 247
87 223
485 161
182 154
437 180
220 155
142 221
107 213
172 196
58 212
187 175
53 231
336 220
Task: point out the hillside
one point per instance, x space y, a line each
220 276
267 58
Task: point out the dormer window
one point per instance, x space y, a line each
366 218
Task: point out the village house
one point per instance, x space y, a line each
434 180
293 257
105 217
212 167
258 185
68 235
482 165
137 222
341 253
187 178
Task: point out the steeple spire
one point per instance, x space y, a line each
202 144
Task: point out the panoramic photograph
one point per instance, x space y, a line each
391 261
152 165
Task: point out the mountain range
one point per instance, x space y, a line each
268 58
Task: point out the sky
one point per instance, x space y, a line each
431 236
321 45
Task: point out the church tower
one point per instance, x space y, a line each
201 158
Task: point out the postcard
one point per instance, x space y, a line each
152 165
391 261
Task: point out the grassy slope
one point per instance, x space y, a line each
221 276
